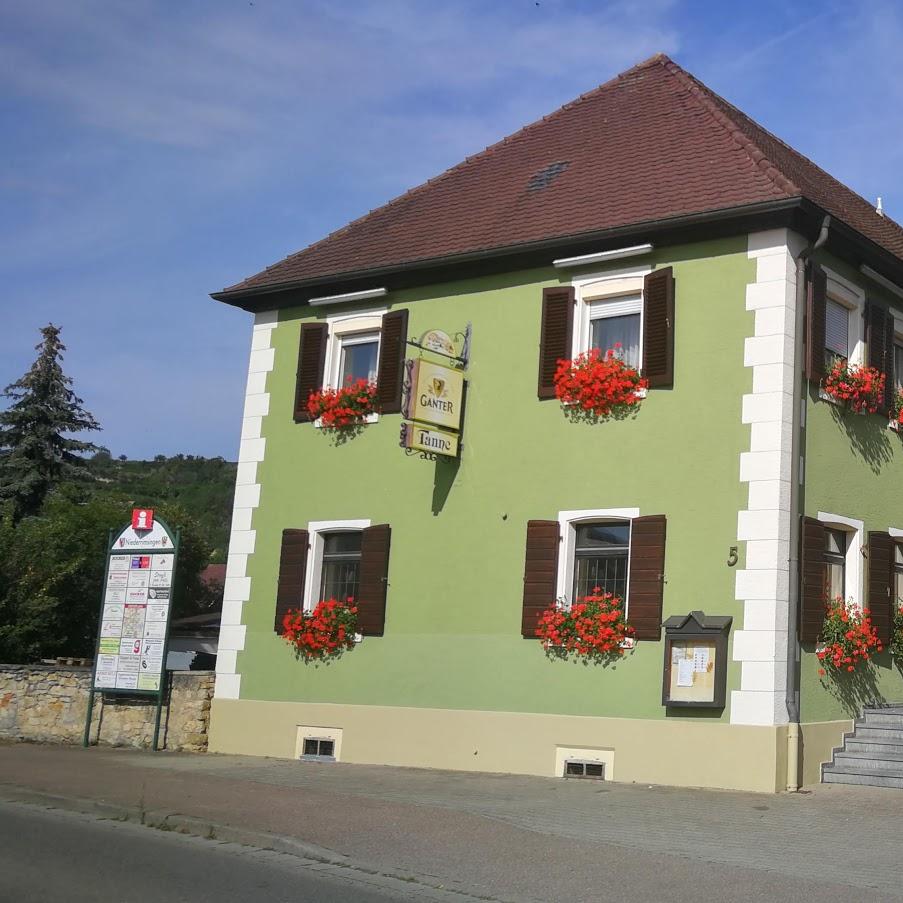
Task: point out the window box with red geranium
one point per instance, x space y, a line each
593 629
324 633
596 386
343 410
859 388
848 639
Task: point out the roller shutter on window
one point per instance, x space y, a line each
292 569
555 335
311 364
658 328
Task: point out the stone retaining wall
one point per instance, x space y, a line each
49 703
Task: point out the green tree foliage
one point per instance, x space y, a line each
52 568
202 486
37 451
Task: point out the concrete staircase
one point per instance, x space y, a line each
873 753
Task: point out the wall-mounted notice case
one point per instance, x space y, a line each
695 667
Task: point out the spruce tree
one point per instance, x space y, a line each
37 451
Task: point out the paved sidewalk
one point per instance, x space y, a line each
497 837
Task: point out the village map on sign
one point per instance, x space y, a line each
133 622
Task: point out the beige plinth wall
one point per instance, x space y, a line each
691 753
820 739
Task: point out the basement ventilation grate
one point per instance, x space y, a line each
318 749
581 768
546 175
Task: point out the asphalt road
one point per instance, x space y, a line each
51 855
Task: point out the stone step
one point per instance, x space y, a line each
881 719
872 778
860 744
893 708
873 732
857 761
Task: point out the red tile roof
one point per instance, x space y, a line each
650 144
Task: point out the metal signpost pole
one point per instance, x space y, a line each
86 739
163 673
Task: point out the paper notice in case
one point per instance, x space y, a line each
109 645
148 681
157 612
701 659
685 672
127 681
161 562
113 612
137 596
114 595
138 578
105 679
117 578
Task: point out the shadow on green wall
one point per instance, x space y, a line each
867 434
859 689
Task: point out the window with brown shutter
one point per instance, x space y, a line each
647 576
292 568
555 335
540 573
311 364
881 584
374 579
392 347
880 339
812 580
816 312
658 328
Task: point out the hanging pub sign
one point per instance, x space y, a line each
438 341
135 609
426 439
436 395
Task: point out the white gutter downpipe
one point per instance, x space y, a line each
797 474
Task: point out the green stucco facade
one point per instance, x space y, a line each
854 468
452 632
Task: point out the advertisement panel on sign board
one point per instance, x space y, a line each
436 395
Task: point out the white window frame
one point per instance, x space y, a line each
599 291
344 325
849 295
317 532
854 530
568 521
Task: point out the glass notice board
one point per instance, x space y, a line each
695 666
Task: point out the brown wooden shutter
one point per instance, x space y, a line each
816 303
812 580
645 591
880 341
292 568
311 362
555 335
392 347
881 584
658 328
540 573
374 580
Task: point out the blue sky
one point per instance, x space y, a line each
156 151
